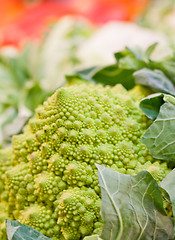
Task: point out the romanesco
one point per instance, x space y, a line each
51 183
3 216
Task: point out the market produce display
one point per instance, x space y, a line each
86 148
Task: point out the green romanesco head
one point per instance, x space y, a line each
51 183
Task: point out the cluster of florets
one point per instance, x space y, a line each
52 184
78 211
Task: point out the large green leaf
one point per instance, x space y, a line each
155 79
167 66
18 231
108 75
151 105
169 186
160 136
112 75
132 207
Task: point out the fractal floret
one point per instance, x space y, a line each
49 180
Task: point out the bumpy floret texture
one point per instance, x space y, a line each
51 182
3 216
41 218
5 163
78 209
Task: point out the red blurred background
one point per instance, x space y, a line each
22 20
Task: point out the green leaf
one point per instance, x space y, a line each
109 75
132 207
131 58
160 136
85 74
168 185
169 98
168 67
18 231
137 52
155 79
151 105
112 75
150 50
34 96
119 55
128 61
131 62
